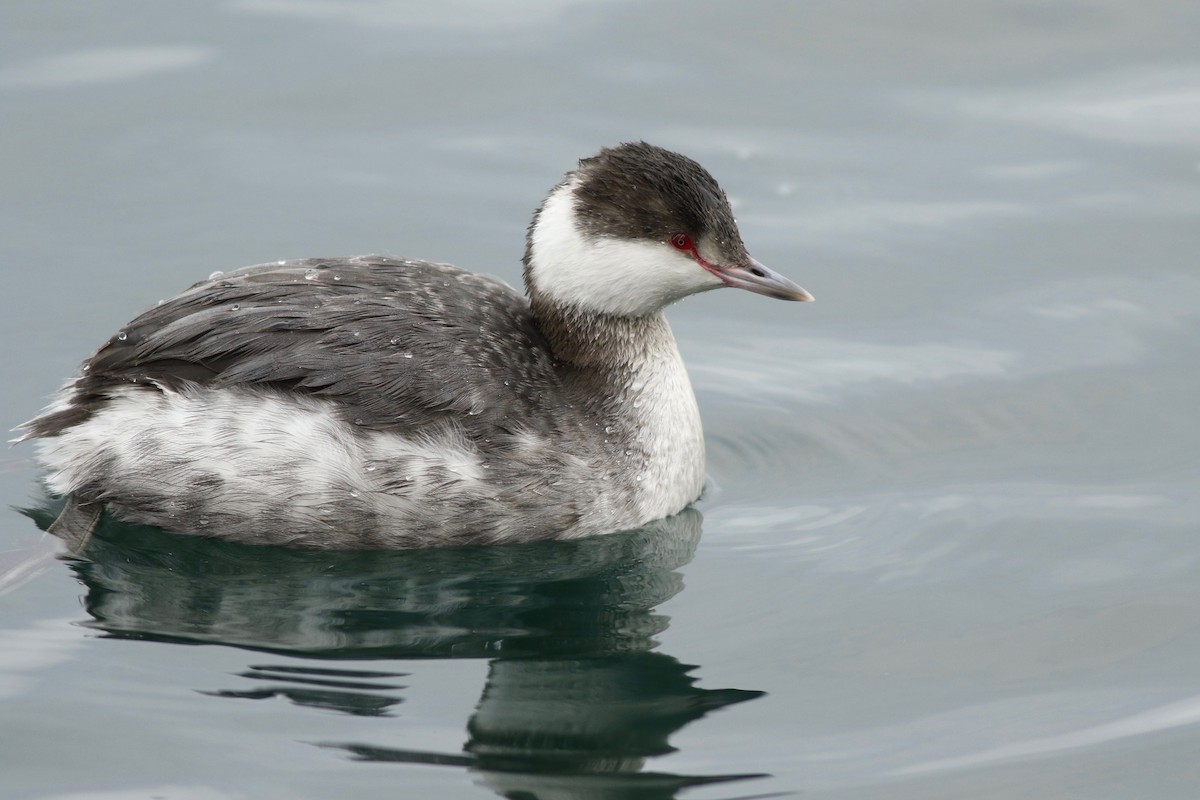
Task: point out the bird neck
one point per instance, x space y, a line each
594 341
626 375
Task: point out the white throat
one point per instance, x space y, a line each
609 275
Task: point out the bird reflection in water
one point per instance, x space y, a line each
575 701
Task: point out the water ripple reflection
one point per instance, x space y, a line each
575 698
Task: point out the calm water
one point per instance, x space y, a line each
950 546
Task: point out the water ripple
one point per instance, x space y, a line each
1160 718
103 65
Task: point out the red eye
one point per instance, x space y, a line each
681 241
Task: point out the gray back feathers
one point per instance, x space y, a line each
398 344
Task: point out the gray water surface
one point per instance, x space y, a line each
949 546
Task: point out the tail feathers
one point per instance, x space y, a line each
51 422
69 407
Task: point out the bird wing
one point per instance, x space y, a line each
396 344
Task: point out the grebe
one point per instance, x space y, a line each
389 403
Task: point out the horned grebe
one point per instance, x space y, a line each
375 402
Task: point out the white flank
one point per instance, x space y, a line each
262 445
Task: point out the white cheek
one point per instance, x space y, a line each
611 276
